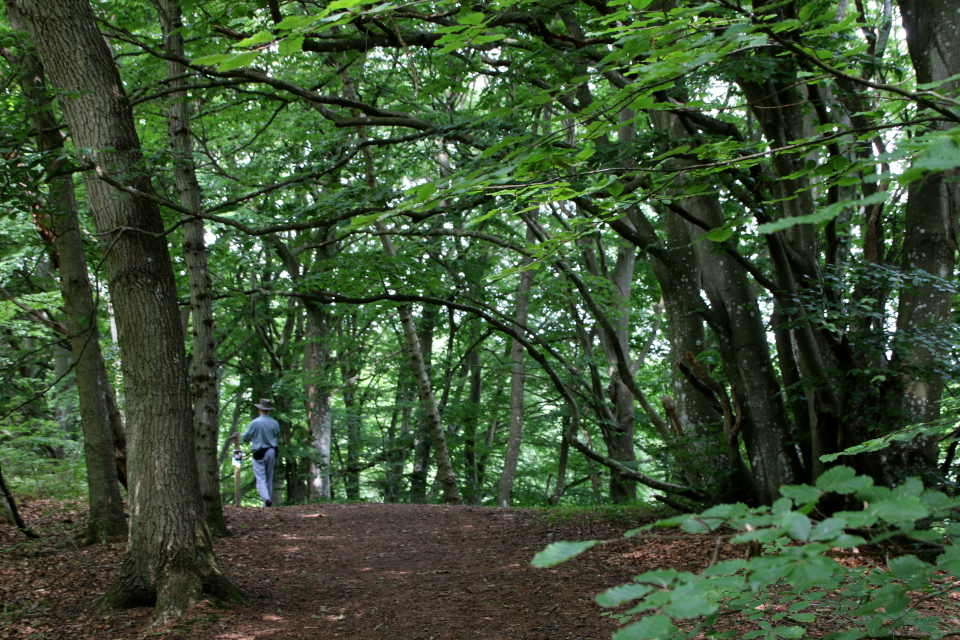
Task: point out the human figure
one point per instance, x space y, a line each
263 432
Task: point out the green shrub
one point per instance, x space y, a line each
794 585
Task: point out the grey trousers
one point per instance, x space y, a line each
263 470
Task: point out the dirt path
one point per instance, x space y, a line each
358 571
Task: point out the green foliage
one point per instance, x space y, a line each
776 593
907 434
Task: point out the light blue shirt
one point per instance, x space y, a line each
263 431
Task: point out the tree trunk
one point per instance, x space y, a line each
352 421
930 239
10 506
170 560
421 435
562 461
93 385
738 324
445 476
517 378
472 419
63 412
319 420
203 379
619 437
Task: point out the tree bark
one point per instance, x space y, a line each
170 560
203 379
422 446
93 384
475 373
319 419
517 378
445 476
930 239
11 509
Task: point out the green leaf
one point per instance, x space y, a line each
209 61
720 234
649 628
585 154
800 493
900 510
660 577
907 567
950 560
624 593
789 632
290 22
615 189
259 38
843 480
812 570
828 529
485 39
561 552
797 526
237 61
292 44
472 19
688 602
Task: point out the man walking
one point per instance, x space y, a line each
263 432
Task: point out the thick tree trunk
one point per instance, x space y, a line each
351 364
738 323
62 370
517 379
203 378
170 560
930 238
93 385
725 479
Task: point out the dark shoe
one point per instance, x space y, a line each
267 503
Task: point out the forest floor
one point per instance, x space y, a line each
352 571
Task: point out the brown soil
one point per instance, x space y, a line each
351 571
